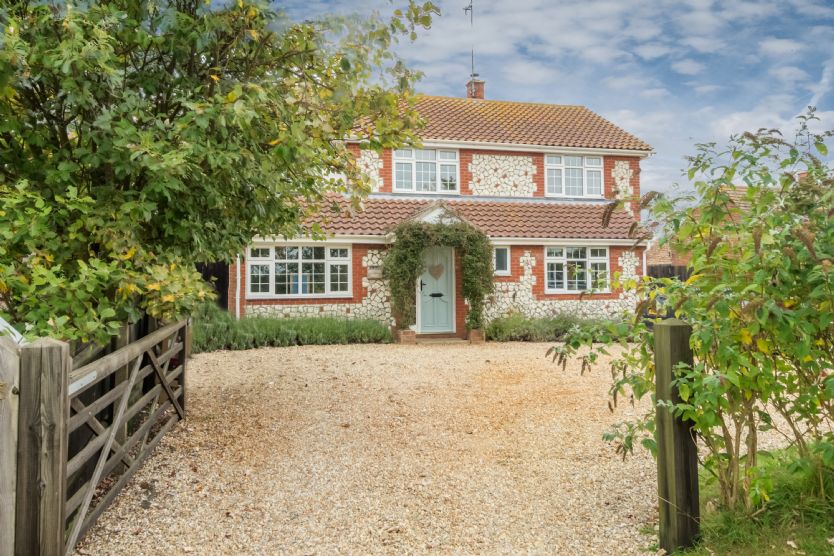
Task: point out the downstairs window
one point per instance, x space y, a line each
576 269
299 270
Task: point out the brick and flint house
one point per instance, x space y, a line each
535 178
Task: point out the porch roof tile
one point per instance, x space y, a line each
498 218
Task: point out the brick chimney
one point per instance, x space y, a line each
475 88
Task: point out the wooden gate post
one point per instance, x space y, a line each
677 454
121 375
9 388
42 447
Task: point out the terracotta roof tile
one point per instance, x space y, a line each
498 121
496 218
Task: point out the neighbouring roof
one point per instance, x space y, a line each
521 123
738 196
503 218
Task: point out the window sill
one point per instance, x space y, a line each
560 196
412 192
311 297
577 292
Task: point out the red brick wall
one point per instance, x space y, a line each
387 172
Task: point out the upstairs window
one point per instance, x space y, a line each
426 171
573 176
576 269
298 271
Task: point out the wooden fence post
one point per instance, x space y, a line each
677 454
42 447
121 375
9 388
186 355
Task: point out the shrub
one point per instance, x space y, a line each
760 301
216 329
141 136
518 328
800 511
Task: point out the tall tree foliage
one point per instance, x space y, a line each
138 136
761 304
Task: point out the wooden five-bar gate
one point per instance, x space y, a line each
84 425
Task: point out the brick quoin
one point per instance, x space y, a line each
610 186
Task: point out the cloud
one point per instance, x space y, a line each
824 85
789 74
705 44
650 51
688 67
707 89
773 111
656 92
626 82
779 47
813 9
531 72
703 21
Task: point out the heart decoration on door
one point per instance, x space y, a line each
436 271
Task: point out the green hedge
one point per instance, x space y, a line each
518 328
216 329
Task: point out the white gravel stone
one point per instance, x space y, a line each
389 449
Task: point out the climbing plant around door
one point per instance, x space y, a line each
403 265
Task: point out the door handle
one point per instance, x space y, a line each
421 285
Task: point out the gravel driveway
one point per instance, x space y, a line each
386 449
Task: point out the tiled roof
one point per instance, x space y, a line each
738 196
498 121
495 217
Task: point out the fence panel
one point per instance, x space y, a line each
141 416
9 387
117 408
669 271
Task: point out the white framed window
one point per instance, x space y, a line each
283 271
573 176
426 171
501 261
576 269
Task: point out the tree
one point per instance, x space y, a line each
139 136
761 303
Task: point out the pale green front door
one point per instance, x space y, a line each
436 291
